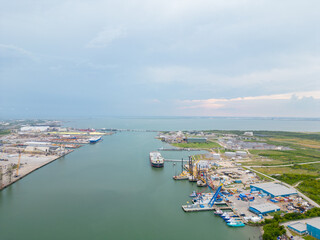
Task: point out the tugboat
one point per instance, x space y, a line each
156 159
200 183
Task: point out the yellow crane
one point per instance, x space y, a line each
17 172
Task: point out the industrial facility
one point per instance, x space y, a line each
273 189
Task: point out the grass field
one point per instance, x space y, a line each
286 170
4 132
290 156
311 188
294 178
206 145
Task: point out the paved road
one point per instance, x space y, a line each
286 165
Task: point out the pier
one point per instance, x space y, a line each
206 207
175 160
179 149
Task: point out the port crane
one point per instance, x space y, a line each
215 195
18 165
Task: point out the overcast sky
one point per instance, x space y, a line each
160 58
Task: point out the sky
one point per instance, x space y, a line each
240 58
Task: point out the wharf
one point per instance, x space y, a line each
179 149
197 208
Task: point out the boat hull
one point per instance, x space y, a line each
157 165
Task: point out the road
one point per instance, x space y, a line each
286 165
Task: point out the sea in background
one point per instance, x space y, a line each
198 123
109 190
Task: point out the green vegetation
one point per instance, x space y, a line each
308 237
4 132
276 213
272 231
206 145
294 178
290 156
285 170
311 188
272 228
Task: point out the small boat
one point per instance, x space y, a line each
218 212
235 223
193 194
200 183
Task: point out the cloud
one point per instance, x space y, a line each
106 37
287 105
11 51
302 75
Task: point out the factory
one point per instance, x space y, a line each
264 208
313 227
273 189
298 227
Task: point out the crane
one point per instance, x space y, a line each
17 172
214 197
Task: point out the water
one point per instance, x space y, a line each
109 191
193 123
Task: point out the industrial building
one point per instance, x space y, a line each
241 153
196 140
273 189
230 154
298 227
264 208
313 227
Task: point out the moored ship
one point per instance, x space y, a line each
95 139
156 159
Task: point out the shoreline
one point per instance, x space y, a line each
16 179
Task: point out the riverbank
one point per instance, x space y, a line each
25 149
29 165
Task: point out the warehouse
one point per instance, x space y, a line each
264 208
298 227
313 227
273 189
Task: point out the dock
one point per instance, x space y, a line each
179 149
205 207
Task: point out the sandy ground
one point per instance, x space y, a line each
28 163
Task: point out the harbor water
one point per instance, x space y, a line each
108 190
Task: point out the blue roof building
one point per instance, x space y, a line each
264 208
313 228
274 189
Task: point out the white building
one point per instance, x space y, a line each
241 153
34 129
230 154
249 134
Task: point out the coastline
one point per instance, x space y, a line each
22 175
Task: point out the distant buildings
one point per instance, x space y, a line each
249 134
34 129
196 140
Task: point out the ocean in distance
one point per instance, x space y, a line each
109 191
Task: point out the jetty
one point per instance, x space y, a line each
206 207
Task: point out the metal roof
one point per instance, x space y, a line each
265 207
315 222
275 189
298 226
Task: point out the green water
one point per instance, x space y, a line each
108 191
